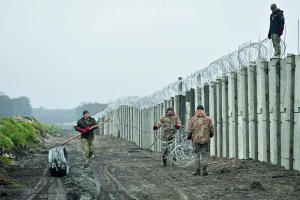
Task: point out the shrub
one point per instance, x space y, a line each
5 142
17 133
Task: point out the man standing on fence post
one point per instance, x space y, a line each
87 135
276 29
170 123
200 129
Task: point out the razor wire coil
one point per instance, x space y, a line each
233 62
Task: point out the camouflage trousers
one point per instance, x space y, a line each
276 44
87 147
165 145
202 153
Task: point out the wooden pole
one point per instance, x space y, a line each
80 134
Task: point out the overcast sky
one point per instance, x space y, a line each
62 53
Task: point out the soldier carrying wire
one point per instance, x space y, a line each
170 123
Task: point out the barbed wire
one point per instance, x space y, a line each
233 62
181 148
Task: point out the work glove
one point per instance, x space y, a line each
211 134
155 128
269 35
88 128
81 130
189 137
177 126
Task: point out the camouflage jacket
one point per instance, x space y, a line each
168 123
200 128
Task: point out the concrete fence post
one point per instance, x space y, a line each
199 95
225 122
182 109
122 122
187 106
219 118
252 107
296 153
172 100
263 113
205 97
176 104
140 127
192 101
287 94
127 123
233 115
243 122
275 119
213 115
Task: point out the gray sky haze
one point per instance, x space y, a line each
63 53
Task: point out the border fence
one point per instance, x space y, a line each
255 109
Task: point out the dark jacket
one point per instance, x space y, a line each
276 22
84 123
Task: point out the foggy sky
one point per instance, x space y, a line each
63 53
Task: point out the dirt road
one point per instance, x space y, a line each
121 170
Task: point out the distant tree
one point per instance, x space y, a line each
93 108
60 116
13 107
22 106
5 106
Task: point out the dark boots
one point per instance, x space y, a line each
205 171
164 162
197 173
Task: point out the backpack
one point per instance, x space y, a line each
58 161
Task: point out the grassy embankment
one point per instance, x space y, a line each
19 135
22 133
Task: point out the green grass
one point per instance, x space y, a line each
20 133
53 129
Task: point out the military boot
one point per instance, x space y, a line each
164 162
197 173
205 171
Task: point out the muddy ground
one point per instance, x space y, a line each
121 170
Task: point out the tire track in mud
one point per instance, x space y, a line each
39 186
47 188
123 193
159 182
97 186
134 180
122 171
81 182
110 187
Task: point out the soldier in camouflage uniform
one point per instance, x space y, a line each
170 123
200 130
87 135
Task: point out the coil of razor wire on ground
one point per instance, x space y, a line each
181 150
233 62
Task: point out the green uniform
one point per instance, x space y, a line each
87 138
